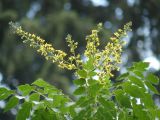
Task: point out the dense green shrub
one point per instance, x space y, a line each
96 96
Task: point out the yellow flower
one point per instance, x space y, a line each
105 60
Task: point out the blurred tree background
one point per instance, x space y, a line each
54 19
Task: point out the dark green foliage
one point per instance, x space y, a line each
40 97
44 114
24 111
82 73
131 99
154 79
80 81
25 89
5 93
122 98
79 91
13 101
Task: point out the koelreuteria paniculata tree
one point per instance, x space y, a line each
129 98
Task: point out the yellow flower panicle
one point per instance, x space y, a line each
108 59
73 58
93 42
105 60
43 48
113 50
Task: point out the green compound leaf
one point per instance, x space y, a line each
136 81
123 76
102 114
79 91
141 66
94 89
34 97
25 89
81 115
152 78
133 90
80 81
140 113
13 101
58 100
82 73
81 100
24 112
5 93
92 82
41 83
44 114
72 110
151 87
51 91
92 73
108 105
148 101
138 73
122 98
158 113
86 102
89 64
46 89
3 90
